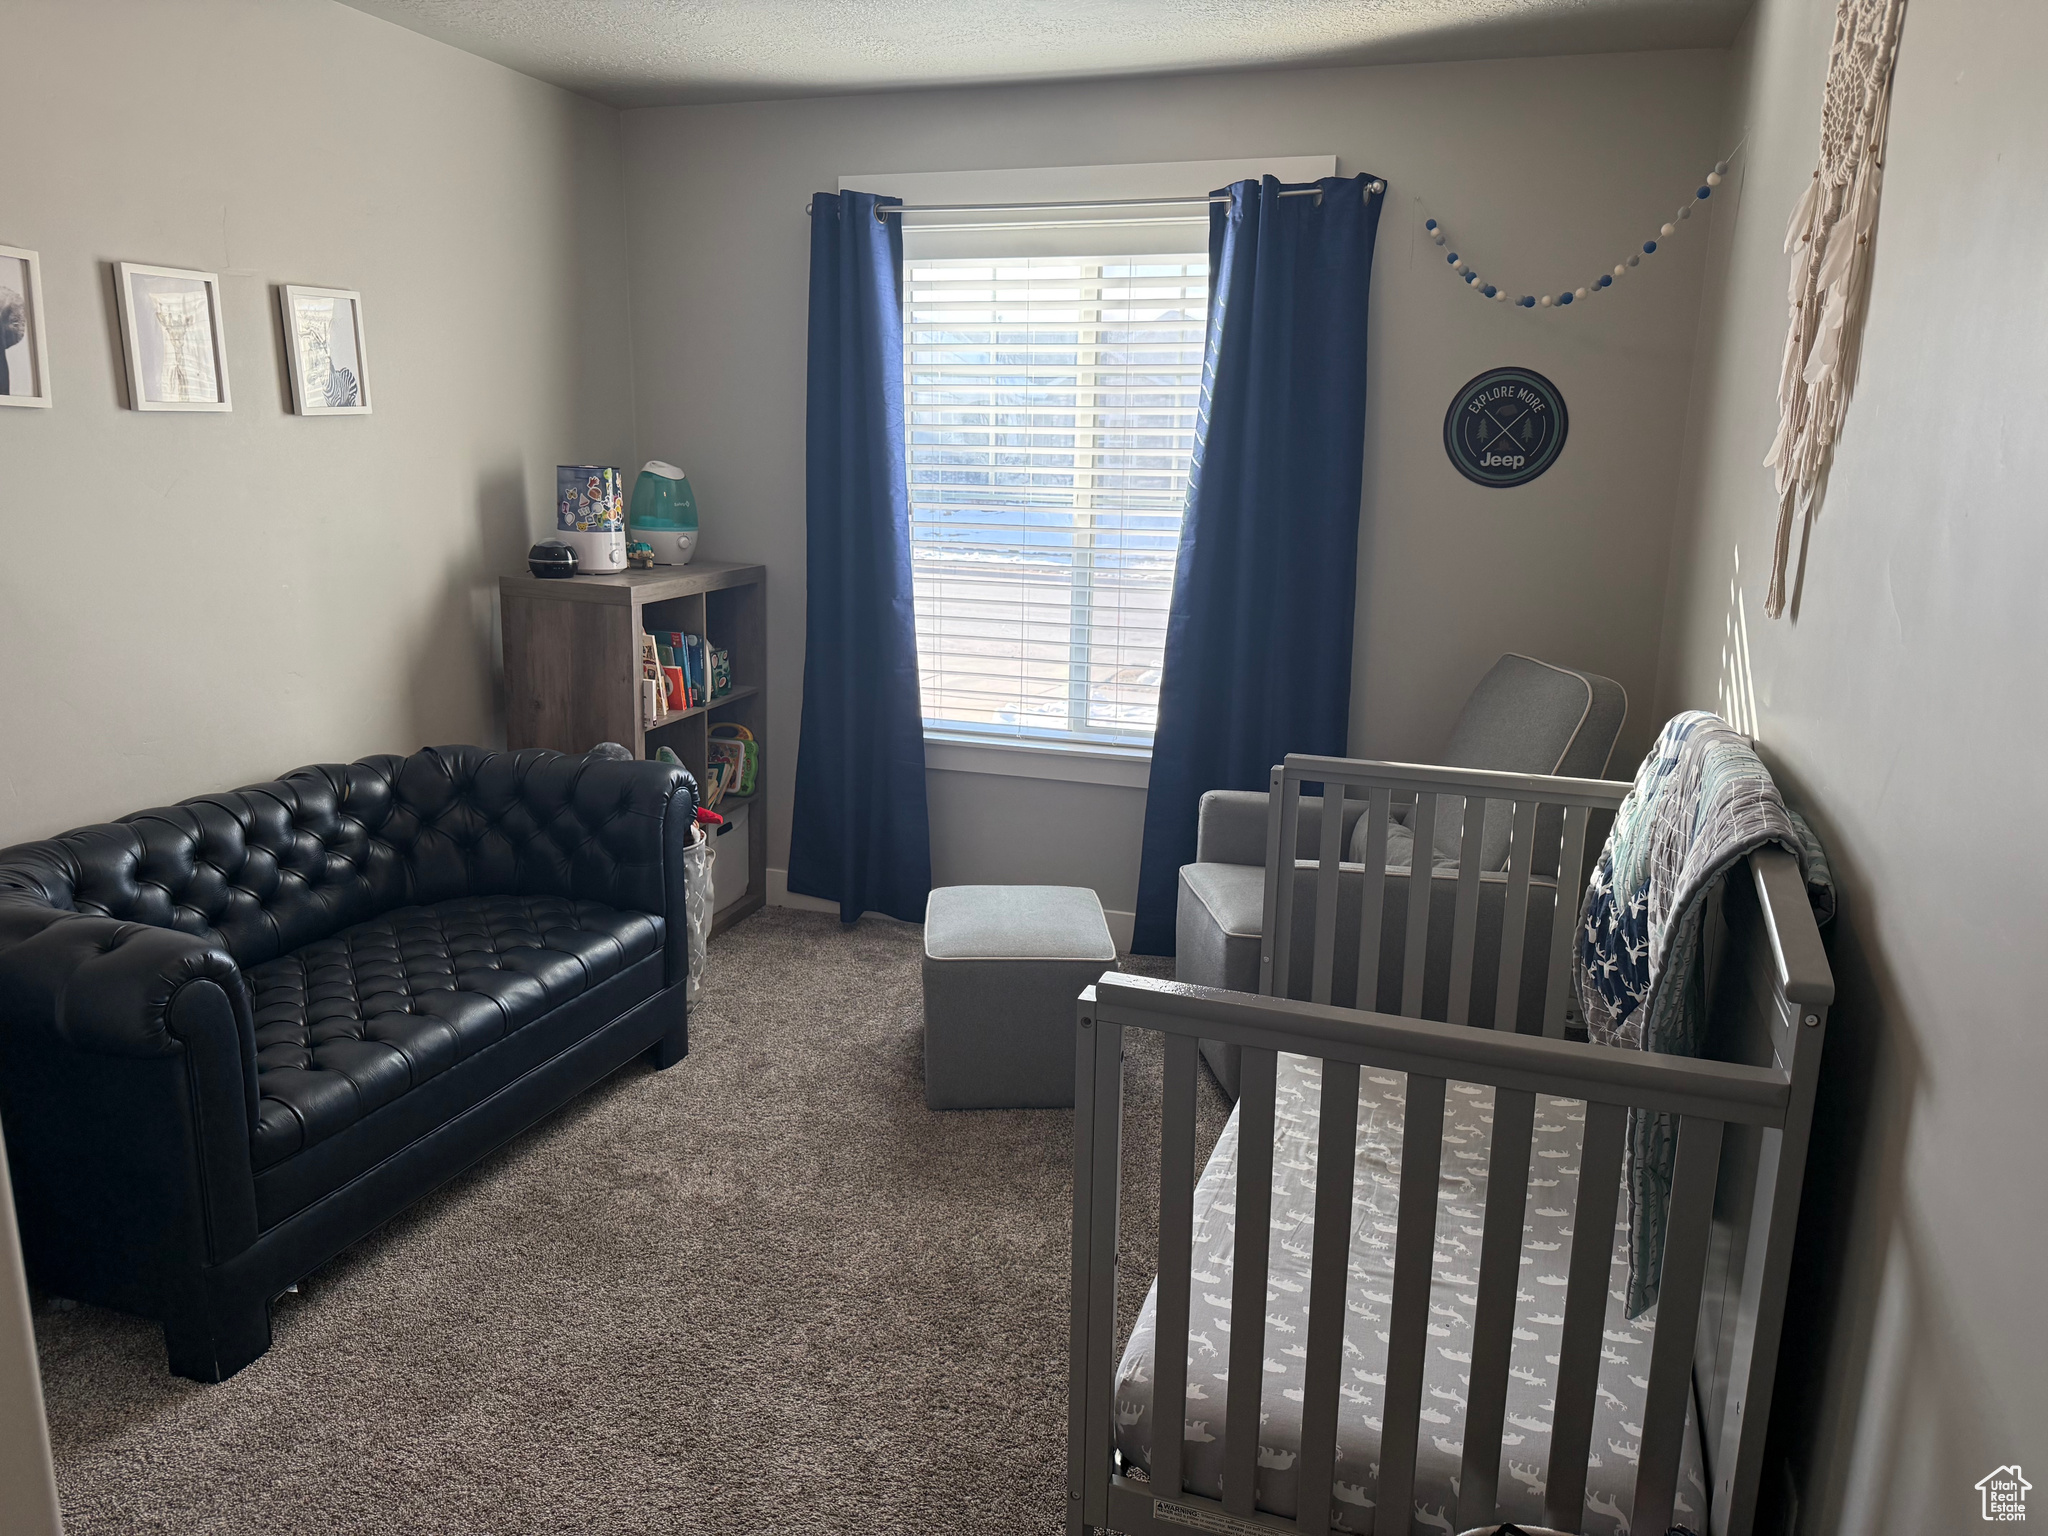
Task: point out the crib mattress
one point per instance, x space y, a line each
1461 1202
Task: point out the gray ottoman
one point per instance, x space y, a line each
1003 966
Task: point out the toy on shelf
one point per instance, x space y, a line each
736 744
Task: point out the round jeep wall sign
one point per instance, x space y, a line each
1505 427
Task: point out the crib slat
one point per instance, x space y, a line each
1420 862
1465 926
1686 1232
1248 1279
1564 921
1283 826
1493 1321
1514 923
1176 1251
1585 1309
1422 1145
1379 811
1329 1264
1098 1124
1329 854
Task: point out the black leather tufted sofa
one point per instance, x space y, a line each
239 1033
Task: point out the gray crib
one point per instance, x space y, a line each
1300 1448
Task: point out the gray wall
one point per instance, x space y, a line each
1548 168
1899 708
196 601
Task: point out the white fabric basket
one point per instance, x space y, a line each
698 898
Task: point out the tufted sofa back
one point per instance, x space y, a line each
265 870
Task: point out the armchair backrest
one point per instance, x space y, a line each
1530 716
263 870
1528 972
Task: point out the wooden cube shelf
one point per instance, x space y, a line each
572 672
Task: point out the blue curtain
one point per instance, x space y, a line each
858 832
1258 638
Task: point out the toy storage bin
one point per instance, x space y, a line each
729 870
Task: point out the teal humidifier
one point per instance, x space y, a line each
664 513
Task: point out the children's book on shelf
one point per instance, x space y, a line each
679 650
653 688
700 668
696 671
726 761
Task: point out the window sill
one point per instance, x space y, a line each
1118 767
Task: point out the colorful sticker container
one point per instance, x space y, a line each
589 498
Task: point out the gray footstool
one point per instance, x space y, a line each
1003 965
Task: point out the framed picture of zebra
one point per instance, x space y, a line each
24 349
329 363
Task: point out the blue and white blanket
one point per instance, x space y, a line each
1702 801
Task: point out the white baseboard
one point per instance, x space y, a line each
780 895
1121 924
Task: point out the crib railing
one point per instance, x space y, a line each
1545 820
1742 1125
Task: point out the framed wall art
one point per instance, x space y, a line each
323 336
24 342
174 339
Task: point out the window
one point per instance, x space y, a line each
1049 418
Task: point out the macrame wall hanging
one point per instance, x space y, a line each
1830 244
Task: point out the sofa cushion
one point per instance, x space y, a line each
347 1024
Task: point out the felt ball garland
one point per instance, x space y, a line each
1465 272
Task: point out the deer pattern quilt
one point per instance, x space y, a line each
1461 1202
1702 801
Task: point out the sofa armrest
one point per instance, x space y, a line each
128 1087
648 817
599 829
108 988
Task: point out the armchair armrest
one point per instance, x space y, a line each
1230 827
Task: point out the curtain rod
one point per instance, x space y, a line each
1371 187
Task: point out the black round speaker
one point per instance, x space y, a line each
551 557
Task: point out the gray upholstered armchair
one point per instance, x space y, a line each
1526 716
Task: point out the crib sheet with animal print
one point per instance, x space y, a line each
1461 1204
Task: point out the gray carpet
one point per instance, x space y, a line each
765 1291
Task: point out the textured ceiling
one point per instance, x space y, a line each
655 52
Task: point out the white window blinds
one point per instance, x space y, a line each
1049 419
